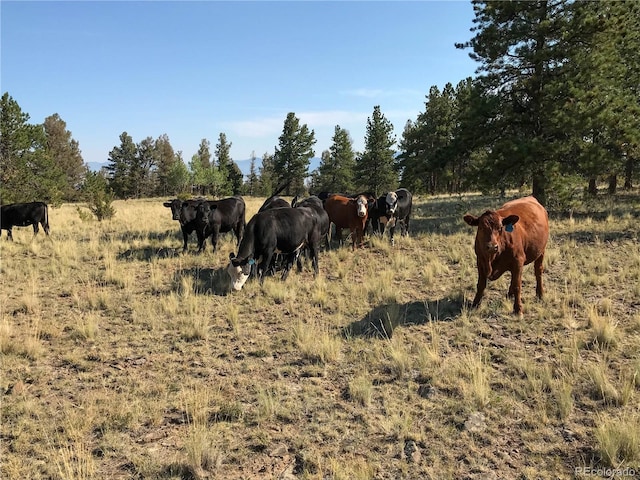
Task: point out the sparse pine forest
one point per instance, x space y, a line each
122 358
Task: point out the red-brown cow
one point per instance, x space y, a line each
508 239
351 213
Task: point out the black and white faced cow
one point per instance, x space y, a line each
398 209
277 230
219 216
24 214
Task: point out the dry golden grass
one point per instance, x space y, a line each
122 358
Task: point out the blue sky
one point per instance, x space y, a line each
192 70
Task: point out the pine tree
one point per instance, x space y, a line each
27 171
521 46
65 153
376 168
166 160
252 180
224 164
122 161
293 154
144 168
336 170
267 175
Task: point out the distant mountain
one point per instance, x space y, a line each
96 166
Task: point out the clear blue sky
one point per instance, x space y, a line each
192 70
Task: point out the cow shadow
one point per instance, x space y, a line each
214 281
149 253
383 320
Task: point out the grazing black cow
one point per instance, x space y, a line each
219 216
23 214
187 221
314 205
285 230
398 207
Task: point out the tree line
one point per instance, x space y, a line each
554 108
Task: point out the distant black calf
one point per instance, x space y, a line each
23 214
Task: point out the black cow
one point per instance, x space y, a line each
187 222
285 230
219 216
23 214
274 202
315 204
398 207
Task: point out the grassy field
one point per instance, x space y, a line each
120 358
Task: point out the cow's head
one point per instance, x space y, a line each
362 204
391 204
239 271
202 212
175 206
492 227
188 212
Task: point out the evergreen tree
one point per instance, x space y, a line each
121 167
602 111
522 47
376 168
425 159
178 179
65 154
267 175
224 164
27 171
293 154
204 153
253 181
143 171
336 169
236 179
166 161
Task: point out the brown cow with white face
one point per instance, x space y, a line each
351 213
508 239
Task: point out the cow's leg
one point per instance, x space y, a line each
201 240
481 286
185 237
313 252
10 234
539 269
214 237
515 288
392 230
45 227
406 227
265 264
36 229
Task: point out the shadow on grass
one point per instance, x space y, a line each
383 320
214 281
148 253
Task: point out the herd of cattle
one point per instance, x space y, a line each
506 239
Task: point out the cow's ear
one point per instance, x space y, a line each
510 220
213 207
471 220
167 204
231 256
